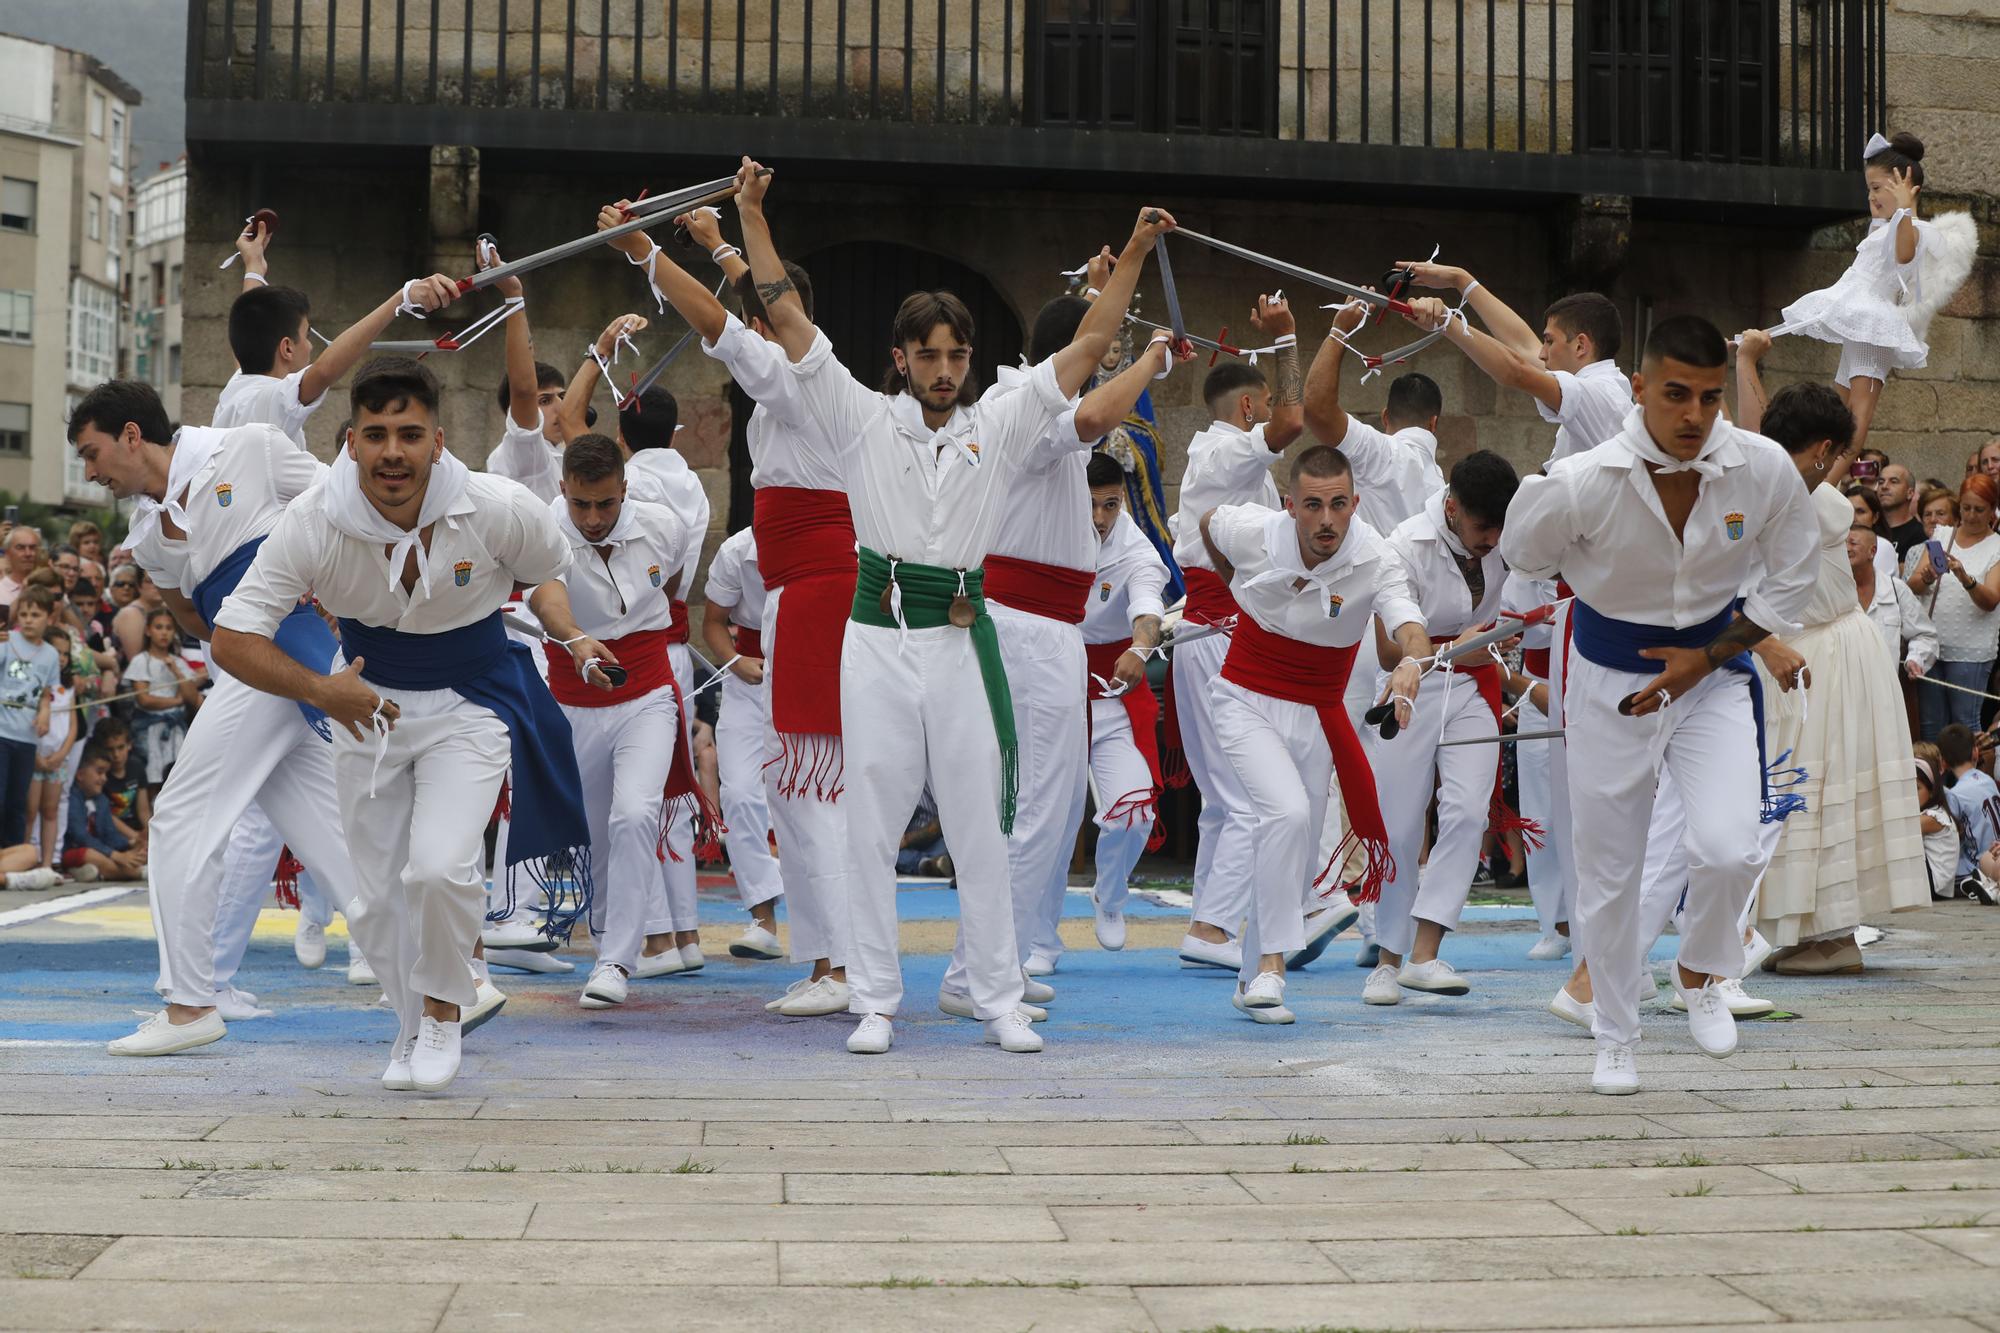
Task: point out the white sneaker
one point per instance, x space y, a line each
1036 992
1276 1014
238 1006
359 971
1549 948
40 877
1756 951
157 1036
523 960
1110 926
84 874
1267 991
959 1005
874 1035
397 1077
1012 1032
756 942
1382 986
1322 925
309 944
434 1061
1741 1003
487 1002
1198 952
822 997
516 932
692 958
773 1006
1039 965
605 988
1569 1009
1709 1020
1617 1073
1437 977
662 964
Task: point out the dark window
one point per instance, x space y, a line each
13 428
1167 66
1687 79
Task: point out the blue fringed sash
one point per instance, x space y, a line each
301 636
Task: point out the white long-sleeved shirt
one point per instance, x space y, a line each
495 535
1047 515
233 486
1899 614
1393 474
1131 582
933 497
786 447
268 400
662 476
735 581
1329 604
618 586
1226 465
1596 519
523 455
1595 402
1430 552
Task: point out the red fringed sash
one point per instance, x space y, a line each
1143 711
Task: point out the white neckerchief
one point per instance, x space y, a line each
1640 441
349 511
193 447
1288 567
908 415
621 532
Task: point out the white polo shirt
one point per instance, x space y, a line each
734 580
229 486
662 476
269 400
1226 465
1430 553
1393 474
786 447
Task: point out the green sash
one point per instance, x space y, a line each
927 591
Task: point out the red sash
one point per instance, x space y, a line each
805 542
1208 603
677 630
1307 673
1535 662
1500 816
1143 711
1054 591
749 642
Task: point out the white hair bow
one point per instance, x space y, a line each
1876 144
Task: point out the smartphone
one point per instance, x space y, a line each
1866 469
13 513
1937 556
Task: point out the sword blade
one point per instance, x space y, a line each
1173 297
652 375
679 202
1194 338
1507 740
1294 271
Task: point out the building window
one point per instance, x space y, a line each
93 342
17 317
173 365
159 286
17 205
97 115
117 136
14 429
174 285
93 225
1190 66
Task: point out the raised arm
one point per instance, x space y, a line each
1751 344
523 390
1273 319
674 284
704 227
1512 332
583 384
786 313
1109 403
1324 415
1504 365
251 244
1076 363
427 294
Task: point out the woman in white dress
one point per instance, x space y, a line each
1964 604
1856 849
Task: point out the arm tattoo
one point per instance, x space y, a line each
1291 389
1743 634
1146 632
769 292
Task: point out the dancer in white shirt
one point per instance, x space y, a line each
417 556
732 628
927 471
1121 628
1308 578
1658 530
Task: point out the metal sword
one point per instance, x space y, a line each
644 214
1305 275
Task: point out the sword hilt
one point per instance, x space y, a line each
1395 284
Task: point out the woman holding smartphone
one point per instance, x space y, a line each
1965 609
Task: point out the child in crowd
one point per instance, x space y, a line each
29 671
52 755
1934 814
130 805
1975 807
97 848
168 693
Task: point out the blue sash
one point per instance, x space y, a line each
1616 644
301 636
550 832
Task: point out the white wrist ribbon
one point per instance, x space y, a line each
646 262
250 229
407 306
1167 337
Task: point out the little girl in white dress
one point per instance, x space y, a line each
1904 271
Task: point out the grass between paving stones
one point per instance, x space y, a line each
920 1283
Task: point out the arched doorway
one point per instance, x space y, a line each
857 286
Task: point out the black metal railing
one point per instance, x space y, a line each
1794 83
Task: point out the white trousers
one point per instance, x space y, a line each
1406 769
1223 856
673 905
740 727
1047 678
623 754
1707 741
1117 770
1283 766
1533 766
249 865
414 803
243 746
813 850
1561 831
912 711
1666 876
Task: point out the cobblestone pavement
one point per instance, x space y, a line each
689 1162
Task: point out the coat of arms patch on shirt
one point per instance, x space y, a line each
1333 605
653 574
224 494
1732 523
461 573
1103 592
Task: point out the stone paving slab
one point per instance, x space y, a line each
678 1263
1206 1262
1506 1258
1634 1302
216 1306
258 1217
479 1186
482 1307
1294 1221
1935 1290
1450 1187
857 1222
